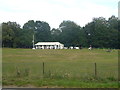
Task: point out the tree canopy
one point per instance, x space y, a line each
100 33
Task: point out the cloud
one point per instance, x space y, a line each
55 11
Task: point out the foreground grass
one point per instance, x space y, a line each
63 83
63 68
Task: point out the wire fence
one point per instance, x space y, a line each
62 70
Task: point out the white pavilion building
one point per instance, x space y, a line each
49 45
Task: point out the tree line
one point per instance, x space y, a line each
100 33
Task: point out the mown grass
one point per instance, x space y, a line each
63 68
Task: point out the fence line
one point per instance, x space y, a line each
95 70
43 68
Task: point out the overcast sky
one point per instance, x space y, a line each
55 11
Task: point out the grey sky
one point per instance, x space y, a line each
55 11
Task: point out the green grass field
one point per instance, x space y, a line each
62 68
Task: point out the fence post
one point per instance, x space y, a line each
95 70
43 68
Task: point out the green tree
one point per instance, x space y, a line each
25 39
114 31
10 33
71 34
40 29
119 34
102 33
55 34
99 32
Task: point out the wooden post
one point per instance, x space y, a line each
95 70
43 68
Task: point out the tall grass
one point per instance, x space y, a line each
25 66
